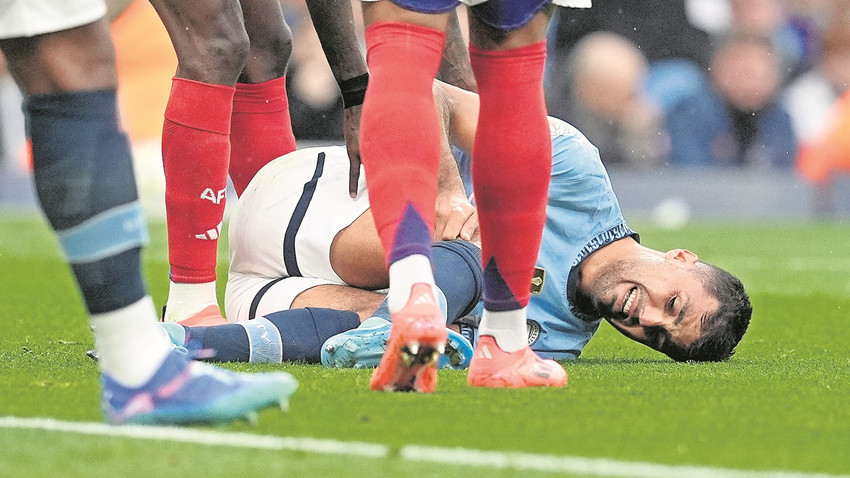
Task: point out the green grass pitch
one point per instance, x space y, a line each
781 403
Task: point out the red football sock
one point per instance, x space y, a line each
195 155
260 129
400 134
511 169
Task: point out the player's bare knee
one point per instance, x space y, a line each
216 60
267 59
271 45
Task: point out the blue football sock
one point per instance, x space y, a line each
287 335
457 272
305 330
228 342
84 178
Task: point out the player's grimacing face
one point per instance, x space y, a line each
655 298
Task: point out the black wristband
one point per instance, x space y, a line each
353 90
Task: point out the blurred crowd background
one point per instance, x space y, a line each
727 83
753 86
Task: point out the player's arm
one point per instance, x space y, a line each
334 22
455 217
462 109
455 67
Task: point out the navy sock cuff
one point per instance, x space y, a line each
106 284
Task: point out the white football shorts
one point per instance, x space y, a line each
282 228
26 18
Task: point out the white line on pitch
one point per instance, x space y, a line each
202 437
447 456
584 466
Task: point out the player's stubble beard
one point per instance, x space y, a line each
590 303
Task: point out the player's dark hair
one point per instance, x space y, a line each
722 330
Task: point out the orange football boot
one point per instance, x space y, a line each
493 367
417 339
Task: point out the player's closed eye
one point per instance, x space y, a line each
671 305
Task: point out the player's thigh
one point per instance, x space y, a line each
340 297
508 24
81 58
209 38
271 41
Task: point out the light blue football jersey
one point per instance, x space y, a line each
582 216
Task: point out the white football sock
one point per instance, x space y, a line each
186 300
404 273
507 327
130 344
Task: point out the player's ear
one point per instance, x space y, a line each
681 255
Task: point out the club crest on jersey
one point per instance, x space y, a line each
211 195
533 329
538 280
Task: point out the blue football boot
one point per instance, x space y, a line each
186 391
364 346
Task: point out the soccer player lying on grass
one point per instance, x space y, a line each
590 265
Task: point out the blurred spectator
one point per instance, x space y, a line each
676 50
816 15
607 102
810 97
811 18
829 154
660 28
315 104
771 19
737 121
820 101
790 29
